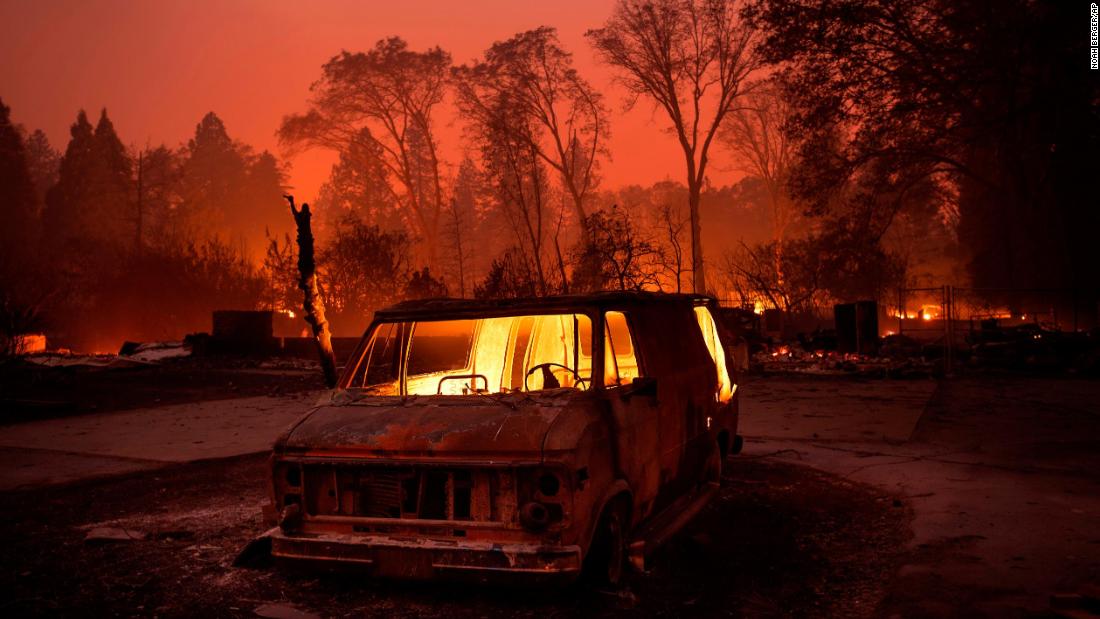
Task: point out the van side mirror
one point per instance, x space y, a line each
644 385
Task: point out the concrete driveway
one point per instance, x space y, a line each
1002 475
66 449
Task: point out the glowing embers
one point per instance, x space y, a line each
926 313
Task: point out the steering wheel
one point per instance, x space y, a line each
549 381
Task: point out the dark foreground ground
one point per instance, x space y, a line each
781 539
29 392
975 496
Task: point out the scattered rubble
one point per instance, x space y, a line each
1032 346
785 359
1027 347
131 355
154 351
90 362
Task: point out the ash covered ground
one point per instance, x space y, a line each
964 497
779 539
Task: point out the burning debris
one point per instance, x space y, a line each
787 359
933 341
28 344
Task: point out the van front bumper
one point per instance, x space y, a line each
426 559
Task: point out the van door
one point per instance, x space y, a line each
636 436
678 359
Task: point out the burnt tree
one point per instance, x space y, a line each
313 307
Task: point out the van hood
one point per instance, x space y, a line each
499 427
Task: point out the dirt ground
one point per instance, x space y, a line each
780 540
1000 471
975 496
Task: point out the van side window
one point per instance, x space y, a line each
379 366
620 362
709 329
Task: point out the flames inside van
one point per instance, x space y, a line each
475 356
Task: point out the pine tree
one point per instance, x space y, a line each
42 163
16 187
112 184
359 187
264 214
91 205
65 218
156 178
214 172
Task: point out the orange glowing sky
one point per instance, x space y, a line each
158 66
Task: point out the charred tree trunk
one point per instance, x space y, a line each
313 306
698 277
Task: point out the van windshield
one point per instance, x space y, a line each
475 356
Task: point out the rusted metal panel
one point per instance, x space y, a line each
426 425
420 559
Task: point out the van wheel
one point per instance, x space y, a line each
605 564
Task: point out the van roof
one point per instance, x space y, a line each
449 308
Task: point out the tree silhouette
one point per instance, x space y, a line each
557 114
90 204
43 162
358 186
17 191
261 215
157 173
509 277
991 99
625 259
212 173
692 59
392 91
227 191
112 183
364 268
519 182
756 134
462 222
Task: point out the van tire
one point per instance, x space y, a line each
605 563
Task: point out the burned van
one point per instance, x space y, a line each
532 438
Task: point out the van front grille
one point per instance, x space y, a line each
405 492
